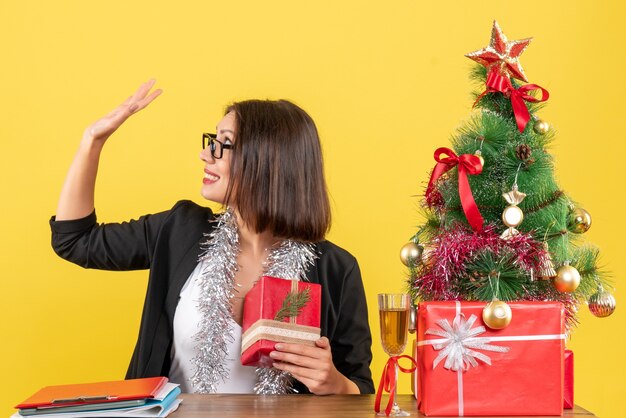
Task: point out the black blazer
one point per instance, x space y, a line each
168 243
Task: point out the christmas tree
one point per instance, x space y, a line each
497 225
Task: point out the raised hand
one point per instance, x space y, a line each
101 129
77 196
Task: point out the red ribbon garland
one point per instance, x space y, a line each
468 164
496 82
388 381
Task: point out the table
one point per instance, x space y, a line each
300 406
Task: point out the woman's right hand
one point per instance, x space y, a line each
77 196
102 129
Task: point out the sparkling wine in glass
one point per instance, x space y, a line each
394 323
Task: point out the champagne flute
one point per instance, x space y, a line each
394 322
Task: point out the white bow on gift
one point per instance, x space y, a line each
458 343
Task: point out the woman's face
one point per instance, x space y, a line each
217 171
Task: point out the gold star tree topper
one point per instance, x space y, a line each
502 54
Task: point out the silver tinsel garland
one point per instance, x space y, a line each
289 260
217 287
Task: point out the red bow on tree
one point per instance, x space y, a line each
388 382
467 164
497 82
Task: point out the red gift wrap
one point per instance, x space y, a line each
568 388
468 369
261 332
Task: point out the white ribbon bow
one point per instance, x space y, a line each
458 341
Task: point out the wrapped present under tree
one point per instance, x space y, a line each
465 368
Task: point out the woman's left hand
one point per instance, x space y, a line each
313 366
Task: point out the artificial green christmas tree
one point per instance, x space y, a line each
497 224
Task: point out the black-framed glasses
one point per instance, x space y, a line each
216 147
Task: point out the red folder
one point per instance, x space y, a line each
90 393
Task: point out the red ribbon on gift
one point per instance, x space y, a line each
388 381
497 82
467 164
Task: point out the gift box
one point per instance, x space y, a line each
467 369
278 310
568 382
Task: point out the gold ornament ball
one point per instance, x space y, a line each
578 221
411 253
541 127
567 279
602 304
497 314
512 216
480 157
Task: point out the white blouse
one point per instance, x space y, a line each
184 348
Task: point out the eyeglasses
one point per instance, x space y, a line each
216 147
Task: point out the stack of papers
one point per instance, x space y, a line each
151 397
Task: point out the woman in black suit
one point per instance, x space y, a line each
264 165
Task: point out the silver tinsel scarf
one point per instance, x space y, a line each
289 260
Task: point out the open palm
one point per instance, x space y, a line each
101 129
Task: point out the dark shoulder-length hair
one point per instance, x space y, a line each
277 178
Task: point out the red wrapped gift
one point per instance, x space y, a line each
466 368
568 388
278 310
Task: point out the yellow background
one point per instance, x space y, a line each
386 83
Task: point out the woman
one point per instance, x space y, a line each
265 166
